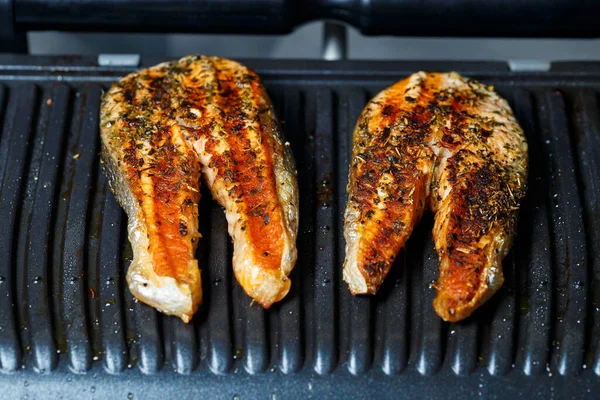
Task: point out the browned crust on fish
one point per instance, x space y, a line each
164 127
448 143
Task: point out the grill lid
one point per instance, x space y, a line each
69 326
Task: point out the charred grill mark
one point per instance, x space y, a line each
385 135
173 176
129 92
388 111
382 175
447 139
486 198
480 209
375 269
159 170
161 93
268 127
130 154
253 175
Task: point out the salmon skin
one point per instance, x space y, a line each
446 143
167 127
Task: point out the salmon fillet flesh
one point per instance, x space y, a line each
446 143
166 127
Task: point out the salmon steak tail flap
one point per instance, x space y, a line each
168 128
449 144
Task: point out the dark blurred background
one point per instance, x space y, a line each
306 42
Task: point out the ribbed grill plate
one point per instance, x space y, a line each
69 326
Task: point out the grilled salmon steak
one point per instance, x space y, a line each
164 128
446 143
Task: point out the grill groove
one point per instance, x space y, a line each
325 229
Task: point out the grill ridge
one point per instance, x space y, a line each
8 116
306 239
256 349
423 260
3 105
500 330
12 192
113 346
359 326
83 149
149 338
220 351
32 260
586 127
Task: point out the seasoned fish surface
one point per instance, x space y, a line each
449 144
164 128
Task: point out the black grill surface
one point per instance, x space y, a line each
69 326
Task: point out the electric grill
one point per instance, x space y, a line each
69 326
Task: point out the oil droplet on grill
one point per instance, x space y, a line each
237 353
2 279
37 280
524 305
